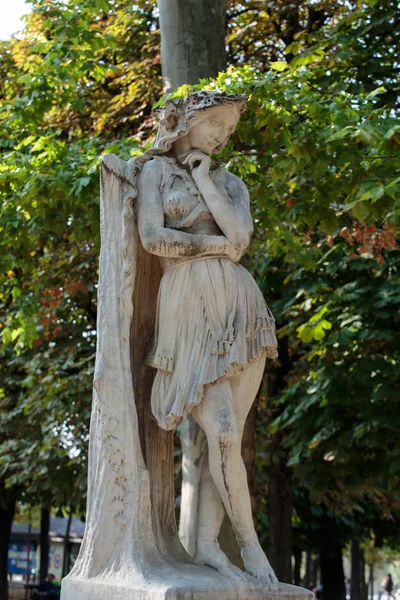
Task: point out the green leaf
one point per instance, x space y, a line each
279 65
374 194
376 92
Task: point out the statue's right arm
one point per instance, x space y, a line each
161 240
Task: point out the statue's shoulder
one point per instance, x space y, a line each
229 179
149 168
156 165
159 169
156 170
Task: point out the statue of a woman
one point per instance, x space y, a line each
213 328
192 337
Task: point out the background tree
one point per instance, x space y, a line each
192 40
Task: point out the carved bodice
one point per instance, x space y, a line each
184 206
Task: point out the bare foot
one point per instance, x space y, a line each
212 556
256 563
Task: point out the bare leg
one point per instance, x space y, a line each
255 561
222 415
211 508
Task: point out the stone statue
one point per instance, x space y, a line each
182 328
213 329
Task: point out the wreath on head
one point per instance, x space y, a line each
177 113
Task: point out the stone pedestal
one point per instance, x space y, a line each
188 582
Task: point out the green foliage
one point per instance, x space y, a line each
341 404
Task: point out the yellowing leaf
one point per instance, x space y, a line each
279 65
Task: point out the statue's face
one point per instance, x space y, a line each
212 132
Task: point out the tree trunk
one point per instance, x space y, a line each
7 509
307 575
192 40
364 584
358 588
297 566
44 543
66 546
371 581
332 572
280 508
355 572
280 494
28 558
314 572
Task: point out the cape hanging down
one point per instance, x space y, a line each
130 507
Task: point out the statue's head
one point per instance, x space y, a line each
207 118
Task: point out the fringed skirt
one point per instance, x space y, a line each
211 323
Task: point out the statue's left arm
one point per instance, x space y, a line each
231 211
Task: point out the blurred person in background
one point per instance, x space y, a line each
388 586
47 589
